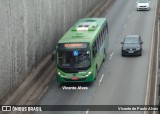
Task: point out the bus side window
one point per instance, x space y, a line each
99 40
105 32
102 36
97 44
106 28
94 49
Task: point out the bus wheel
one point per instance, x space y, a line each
96 73
104 57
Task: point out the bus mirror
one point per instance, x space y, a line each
53 55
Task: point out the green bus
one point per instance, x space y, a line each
81 51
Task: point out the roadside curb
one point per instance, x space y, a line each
151 88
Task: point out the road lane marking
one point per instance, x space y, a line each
129 15
111 55
87 111
101 79
149 69
43 93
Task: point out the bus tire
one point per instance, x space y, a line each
104 57
96 73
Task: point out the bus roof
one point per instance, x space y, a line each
84 30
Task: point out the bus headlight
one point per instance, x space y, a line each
88 73
59 73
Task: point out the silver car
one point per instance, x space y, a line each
143 5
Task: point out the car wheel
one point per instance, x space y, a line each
140 53
123 55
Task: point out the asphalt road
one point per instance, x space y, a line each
121 80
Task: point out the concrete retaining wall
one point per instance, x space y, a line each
29 30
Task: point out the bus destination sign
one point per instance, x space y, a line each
75 45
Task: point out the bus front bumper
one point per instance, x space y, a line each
61 79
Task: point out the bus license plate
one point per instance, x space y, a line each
74 78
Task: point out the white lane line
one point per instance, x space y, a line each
87 111
111 55
101 79
129 15
43 92
125 26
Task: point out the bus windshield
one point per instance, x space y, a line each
73 60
